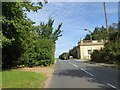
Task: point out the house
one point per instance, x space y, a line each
86 47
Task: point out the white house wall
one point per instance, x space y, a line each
84 50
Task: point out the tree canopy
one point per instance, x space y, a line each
101 33
73 52
64 56
22 42
111 51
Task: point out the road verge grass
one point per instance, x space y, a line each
0 79
22 79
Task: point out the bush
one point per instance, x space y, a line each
110 53
44 63
96 56
31 63
39 53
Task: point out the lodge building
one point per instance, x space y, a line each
86 47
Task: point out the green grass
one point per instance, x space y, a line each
0 79
22 79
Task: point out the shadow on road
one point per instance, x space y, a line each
81 74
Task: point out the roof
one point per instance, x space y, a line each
91 42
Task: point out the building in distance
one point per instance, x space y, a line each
86 47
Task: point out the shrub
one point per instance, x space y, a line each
96 56
110 53
31 63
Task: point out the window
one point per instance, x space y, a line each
89 51
95 50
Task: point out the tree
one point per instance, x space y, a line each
111 51
64 56
24 43
73 52
15 26
47 31
100 32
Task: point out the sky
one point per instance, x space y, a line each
75 16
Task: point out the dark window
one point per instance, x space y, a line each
89 51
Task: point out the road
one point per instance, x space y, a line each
78 74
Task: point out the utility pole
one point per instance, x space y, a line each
106 21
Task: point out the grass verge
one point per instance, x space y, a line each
0 79
22 79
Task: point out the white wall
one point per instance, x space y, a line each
84 50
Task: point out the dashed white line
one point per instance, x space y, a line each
75 65
111 85
91 74
87 72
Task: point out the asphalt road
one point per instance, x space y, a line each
78 74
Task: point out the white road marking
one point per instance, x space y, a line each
69 62
75 65
111 85
87 72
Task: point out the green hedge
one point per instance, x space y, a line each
41 54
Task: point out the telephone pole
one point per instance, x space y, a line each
107 30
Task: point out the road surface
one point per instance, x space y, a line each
78 74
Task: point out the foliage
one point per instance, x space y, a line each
22 42
4 40
40 53
111 51
97 56
73 52
15 26
64 56
100 32
45 30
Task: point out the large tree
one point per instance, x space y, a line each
46 30
111 51
15 26
22 42
100 32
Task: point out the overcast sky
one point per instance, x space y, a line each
75 16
